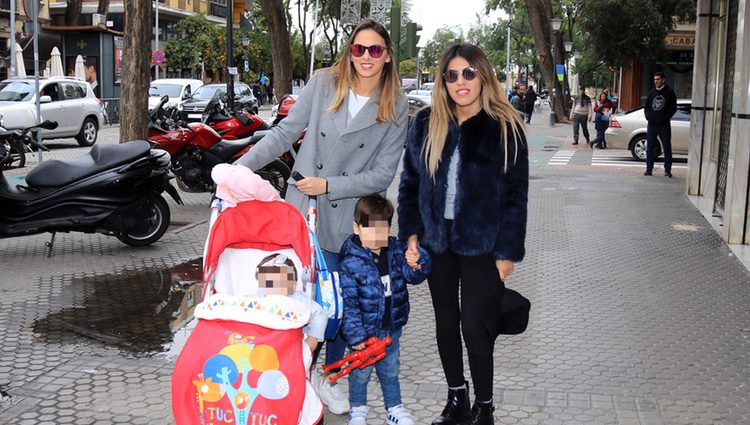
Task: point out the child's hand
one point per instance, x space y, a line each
312 342
359 346
412 253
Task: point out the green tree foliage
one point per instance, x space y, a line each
620 30
407 68
434 48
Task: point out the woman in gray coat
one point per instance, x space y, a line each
355 116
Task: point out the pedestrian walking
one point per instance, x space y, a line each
374 274
519 100
530 102
355 116
463 196
603 110
661 105
581 116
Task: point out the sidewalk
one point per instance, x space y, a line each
639 315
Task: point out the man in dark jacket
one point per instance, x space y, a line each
661 105
519 100
530 101
373 271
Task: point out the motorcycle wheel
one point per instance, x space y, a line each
16 158
277 173
148 222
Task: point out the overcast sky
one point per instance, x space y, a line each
434 14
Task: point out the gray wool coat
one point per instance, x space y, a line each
358 158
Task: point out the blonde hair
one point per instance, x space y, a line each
345 76
493 100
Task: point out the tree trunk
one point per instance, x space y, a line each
540 13
103 8
273 11
136 73
73 12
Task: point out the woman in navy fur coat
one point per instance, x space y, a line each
463 196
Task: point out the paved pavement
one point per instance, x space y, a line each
639 312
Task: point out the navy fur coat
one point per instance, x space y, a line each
364 296
490 202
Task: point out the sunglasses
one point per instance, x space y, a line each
376 50
451 76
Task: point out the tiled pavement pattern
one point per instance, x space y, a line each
639 317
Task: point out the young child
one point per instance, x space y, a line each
277 275
373 274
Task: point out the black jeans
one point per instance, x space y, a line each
452 317
664 131
580 120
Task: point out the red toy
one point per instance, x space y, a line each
374 353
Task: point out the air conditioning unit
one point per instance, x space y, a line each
97 19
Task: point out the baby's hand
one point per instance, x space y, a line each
359 346
412 259
312 342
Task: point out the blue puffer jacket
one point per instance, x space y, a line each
364 297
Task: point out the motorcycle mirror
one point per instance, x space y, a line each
48 125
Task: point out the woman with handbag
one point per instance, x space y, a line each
603 110
463 196
355 116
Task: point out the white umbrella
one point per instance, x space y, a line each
20 67
80 68
56 69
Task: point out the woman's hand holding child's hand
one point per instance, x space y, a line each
412 253
358 347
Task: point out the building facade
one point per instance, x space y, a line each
719 157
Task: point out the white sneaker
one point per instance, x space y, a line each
398 415
358 415
332 397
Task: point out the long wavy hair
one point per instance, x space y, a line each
345 75
493 100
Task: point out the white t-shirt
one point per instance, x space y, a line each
356 102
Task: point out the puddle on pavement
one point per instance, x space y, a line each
139 311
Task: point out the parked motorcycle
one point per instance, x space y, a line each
196 148
114 189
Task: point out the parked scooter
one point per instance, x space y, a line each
197 147
114 189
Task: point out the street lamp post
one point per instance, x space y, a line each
556 24
568 48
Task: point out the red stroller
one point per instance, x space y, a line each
245 362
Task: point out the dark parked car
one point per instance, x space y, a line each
243 100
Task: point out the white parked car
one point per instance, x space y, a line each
178 90
68 101
628 131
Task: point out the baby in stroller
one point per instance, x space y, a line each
245 362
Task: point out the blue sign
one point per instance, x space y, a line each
560 70
247 66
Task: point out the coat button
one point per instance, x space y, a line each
322 134
320 166
334 205
362 145
344 174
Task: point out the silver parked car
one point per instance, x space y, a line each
68 101
628 131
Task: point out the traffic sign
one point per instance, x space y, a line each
157 57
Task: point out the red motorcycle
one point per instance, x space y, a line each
196 148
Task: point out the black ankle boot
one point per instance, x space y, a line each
456 411
481 414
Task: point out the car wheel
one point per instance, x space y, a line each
638 148
89 132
